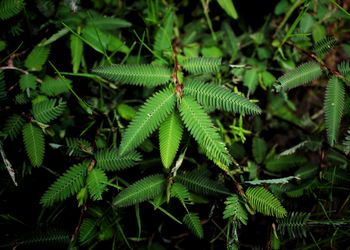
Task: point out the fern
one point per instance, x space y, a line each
323 46
66 185
87 231
77 147
198 65
142 75
295 224
303 74
334 107
211 95
344 69
164 35
36 58
47 111
235 210
285 163
33 138
10 8
201 184
202 129
96 183
110 160
194 224
180 192
21 98
259 149
147 119
55 87
3 92
27 81
13 126
264 202
170 134
142 190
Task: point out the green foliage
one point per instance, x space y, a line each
55 87
295 224
235 210
259 149
211 95
66 185
202 65
142 190
303 74
284 163
36 58
27 81
265 202
194 224
334 107
323 46
201 128
170 134
77 147
346 143
13 126
96 183
10 8
110 160
76 48
344 69
3 92
87 231
142 75
164 35
147 119
201 184
34 143
46 111
180 192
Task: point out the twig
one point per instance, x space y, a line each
8 165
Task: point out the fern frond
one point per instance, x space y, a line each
13 126
303 74
344 69
265 202
201 184
27 81
235 210
193 222
198 65
21 98
346 143
34 144
170 134
3 92
295 224
211 95
87 232
180 192
66 185
285 163
110 160
147 119
53 238
55 87
77 147
259 149
47 111
143 75
10 8
96 183
202 129
334 107
164 35
37 57
323 46
142 190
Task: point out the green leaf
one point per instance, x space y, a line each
37 58
55 87
259 149
13 126
142 190
108 23
126 112
235 210
77 147
192 221
334 108
164 35
96 183
88 231
251 79
227 5
170 134
10 8
303 74
295 224
66 185
180 192
147 120
141 75
27 81
110 160
211 95
47 110
76 48
33 138
264 202
202 129
199 65
284 163
323 46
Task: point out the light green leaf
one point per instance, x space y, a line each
227 5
